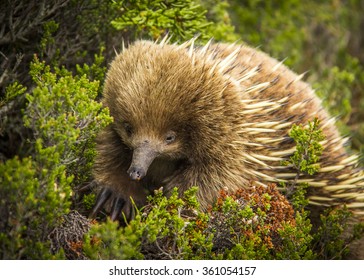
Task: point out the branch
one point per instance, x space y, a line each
24 17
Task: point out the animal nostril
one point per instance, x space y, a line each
136 174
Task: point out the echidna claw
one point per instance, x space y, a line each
117 206
101 199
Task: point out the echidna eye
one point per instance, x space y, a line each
128 128
170 137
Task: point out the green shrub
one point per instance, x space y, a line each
162 231
33 197
182 19
61 119
255 223
331 239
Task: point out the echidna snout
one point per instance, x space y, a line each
143 156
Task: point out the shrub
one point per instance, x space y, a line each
61 119
253 223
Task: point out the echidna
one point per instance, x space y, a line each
215 117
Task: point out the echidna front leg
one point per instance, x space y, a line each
121 201
103 196
118 206
116 209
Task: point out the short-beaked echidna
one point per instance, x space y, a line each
217 117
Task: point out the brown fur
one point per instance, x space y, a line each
229 109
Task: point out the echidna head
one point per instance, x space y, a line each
147 146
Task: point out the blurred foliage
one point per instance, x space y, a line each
154 19
324 38
182 20
329 241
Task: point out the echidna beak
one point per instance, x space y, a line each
143 156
